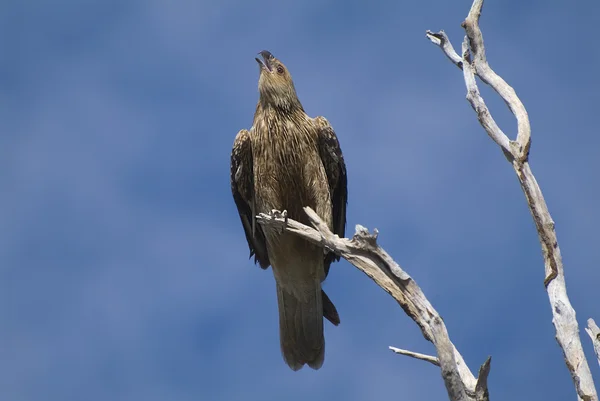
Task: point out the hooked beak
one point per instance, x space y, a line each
267 57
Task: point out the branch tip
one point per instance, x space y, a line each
481 388
427 358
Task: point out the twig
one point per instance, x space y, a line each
474 62
363 252
441 39
416 355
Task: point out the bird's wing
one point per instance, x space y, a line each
335 168
242 188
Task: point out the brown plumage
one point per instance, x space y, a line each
286 161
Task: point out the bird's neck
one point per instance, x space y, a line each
280 105
274 118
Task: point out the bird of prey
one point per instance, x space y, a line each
287 161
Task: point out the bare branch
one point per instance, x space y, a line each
363 252
416 355
517 152
594 333
478 104
564 319
481 388
441 39
487 75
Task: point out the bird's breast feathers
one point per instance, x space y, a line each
288 170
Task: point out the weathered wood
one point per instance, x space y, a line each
594 333
363 252
427 358
474 62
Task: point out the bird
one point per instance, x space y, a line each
286 161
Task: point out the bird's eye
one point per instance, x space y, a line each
280 69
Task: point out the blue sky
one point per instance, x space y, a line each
124 271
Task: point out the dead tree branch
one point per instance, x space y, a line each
594 333
427 358
473 62
363 252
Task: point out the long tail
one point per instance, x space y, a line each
301 326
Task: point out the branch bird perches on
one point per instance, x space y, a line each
363 251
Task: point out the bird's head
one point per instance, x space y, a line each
275 83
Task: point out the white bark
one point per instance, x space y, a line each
364 253
594 333
416 355
473 62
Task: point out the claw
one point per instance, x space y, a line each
285 217
276 214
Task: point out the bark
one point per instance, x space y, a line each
594 333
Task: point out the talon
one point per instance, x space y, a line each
284 214
277 215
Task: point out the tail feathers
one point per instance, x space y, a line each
301 328
329 311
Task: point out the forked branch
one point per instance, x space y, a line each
473 62
363 252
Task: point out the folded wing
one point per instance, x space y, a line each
242 188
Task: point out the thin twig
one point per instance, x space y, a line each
441 39
416 355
